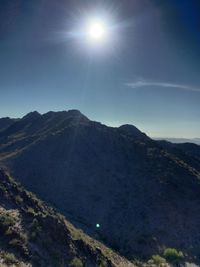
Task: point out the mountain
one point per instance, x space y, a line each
133 132
180 140
144 194
35 235
188 152
6 122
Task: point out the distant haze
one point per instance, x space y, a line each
180 140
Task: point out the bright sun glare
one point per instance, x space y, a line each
97 30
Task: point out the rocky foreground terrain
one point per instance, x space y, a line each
33 234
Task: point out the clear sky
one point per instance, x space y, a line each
146 72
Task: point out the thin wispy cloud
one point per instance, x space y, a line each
144 83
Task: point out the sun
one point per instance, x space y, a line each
97 30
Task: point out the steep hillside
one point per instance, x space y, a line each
188 152
32 234
144 195
5 123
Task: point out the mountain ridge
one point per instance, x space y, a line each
139 190
179 140
37 114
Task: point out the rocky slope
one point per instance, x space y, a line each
5 123
145 194
33 234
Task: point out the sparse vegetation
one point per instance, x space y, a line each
18 199
31 211
172 255
6 220
8 258
14 243
76 262
103 263
157 260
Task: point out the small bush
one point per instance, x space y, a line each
18 199
15 243
137 262
6 220
8 258
31 212
103 263
172 255
23 237
60 216
9 232
157 260
76 262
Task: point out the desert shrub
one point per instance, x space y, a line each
14 242
76 262
103 263
9 232
60 216
31 212
22 237
157 260
172 255
6 220
137 262
8 258
18 199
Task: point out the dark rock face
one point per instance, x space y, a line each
32 115
5 123
145 195
188 152
132 131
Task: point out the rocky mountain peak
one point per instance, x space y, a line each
32 115
132 131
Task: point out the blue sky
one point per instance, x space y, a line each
146 74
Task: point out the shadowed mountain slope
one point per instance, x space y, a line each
143 193
33 234
188 152
5 123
